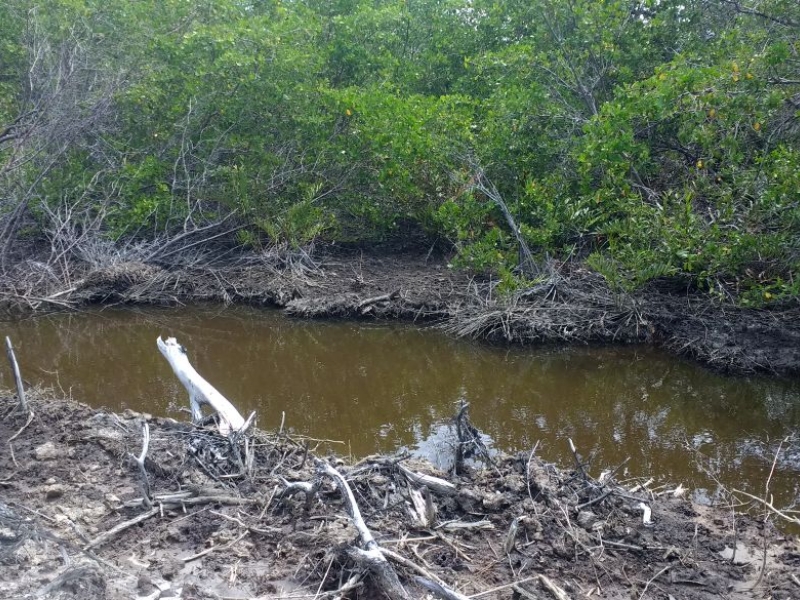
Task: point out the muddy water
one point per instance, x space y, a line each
379 388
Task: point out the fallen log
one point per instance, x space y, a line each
200 391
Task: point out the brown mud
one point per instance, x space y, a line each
572 305
225 526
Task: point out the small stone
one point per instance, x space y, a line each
51 492
514 483
174 535
112 501
144 584
494 502
46 451
586 519
170 568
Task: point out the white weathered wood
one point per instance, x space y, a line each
370 556
422 510
12 359
200 391
434 484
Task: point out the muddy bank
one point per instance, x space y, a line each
74 522
574 305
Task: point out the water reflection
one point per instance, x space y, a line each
384 387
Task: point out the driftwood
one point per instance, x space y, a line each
369 555
434 484
108 535
422 508
200 391
554 589
12 359
139 460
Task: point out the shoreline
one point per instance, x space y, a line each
575 306
278 529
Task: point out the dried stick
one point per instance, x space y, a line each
553 588
400 559
181 500
374 300
12 359
766 514
440 590
653 578
140 461
227 546
505 586
577 458
102 539
21 429
370 556
770 506
434 484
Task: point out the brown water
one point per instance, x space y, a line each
380 388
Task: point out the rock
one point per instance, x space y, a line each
144 584
174 535
468 499
514 483
495 501
51 492
587 519
170 568
46 451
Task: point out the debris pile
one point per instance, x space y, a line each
273 518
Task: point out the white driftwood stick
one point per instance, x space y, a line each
370 555
646 513
200 391
554 589
17 376
434 484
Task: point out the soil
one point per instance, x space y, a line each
228 522
570 305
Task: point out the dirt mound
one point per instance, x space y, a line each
264 518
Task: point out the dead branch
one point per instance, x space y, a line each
559 593
200 391
422 509
469 441
434 484
652 579
439 589
369 555
105 537
577 458
12 359
481 183
182 500
139 460
303 487
227 546
376 299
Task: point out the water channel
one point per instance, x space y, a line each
386 387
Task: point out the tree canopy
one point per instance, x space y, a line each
655 140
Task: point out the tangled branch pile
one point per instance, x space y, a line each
287 523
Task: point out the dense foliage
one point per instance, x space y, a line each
657 140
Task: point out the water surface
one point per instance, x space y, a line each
383 387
